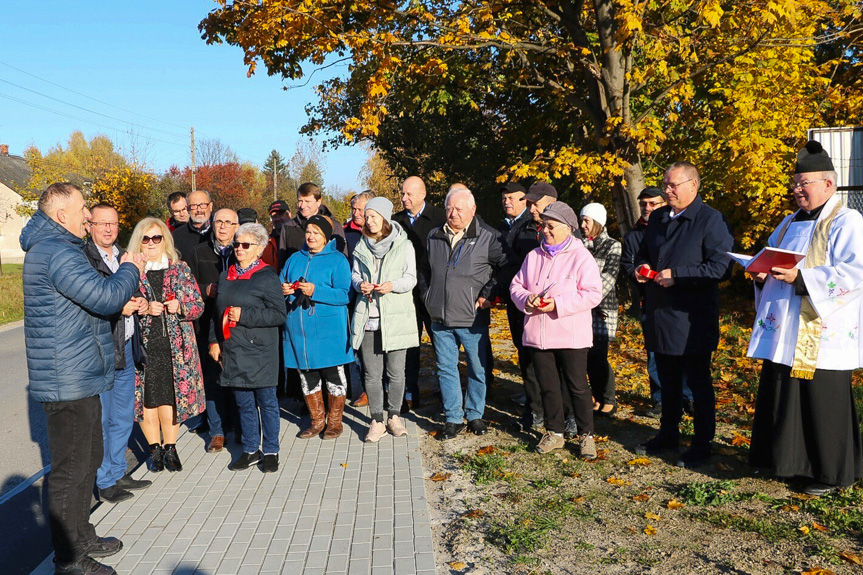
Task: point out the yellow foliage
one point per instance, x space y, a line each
127 189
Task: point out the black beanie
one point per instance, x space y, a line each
813 158
323 223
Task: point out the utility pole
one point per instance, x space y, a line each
275 178
194 167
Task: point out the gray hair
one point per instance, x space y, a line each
364 195
833 176
257 231
459 190
56 194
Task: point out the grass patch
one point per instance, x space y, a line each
771 530
525 534
11 294
485 468
710 493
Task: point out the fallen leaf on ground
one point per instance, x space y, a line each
434 433
852 557
616 481
344 464
817 571
457 565
790 508
440 476
652 516
631 529
650 530
600 439
819 527
675 504
576 499
474 513
641 497
573 474
485 450
739 440
642 461
804 529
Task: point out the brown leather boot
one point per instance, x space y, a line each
315 403
334 416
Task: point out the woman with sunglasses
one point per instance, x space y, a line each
250 309
557 286
169 388
316 282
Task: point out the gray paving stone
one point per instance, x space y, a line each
360 566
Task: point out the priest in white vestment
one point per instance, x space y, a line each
807 331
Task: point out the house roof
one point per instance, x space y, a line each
14 172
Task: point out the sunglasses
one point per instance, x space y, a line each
244 245
154 239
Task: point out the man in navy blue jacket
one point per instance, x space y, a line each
70 360
686 244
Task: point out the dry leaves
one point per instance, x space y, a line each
652 516
817 571
739 440
616 481
853 558
434 433
641 497
457 565
345 465
675 504
487 450
790 508
649 530
818 527
804 529
640 461
440 476
474 513
600 439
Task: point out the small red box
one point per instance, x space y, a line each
646 272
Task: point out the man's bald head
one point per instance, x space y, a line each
413 194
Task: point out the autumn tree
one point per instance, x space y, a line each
128 190
626 85
378 176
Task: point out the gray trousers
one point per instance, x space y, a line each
375 359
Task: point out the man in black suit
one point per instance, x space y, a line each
418 219
198 228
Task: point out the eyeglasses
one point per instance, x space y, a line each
548 226
800 185
674 187
226 223
180 211
244 245
155 239
199 206
108 225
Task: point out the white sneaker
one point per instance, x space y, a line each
396 427
376 430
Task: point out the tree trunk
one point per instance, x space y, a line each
626 197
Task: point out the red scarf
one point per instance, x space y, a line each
232 275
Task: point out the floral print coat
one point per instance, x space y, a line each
188 380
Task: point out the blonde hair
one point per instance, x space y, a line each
167 239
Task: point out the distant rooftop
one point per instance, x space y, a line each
14 172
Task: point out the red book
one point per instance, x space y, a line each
768 258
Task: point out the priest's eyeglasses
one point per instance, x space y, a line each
804 184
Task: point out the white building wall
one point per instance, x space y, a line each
11 225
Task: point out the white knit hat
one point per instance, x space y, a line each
595 212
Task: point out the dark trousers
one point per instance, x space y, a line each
525 360
412 358
695 369
75 440
599 372
550 364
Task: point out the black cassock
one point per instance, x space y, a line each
807 428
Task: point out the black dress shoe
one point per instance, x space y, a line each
104 547
657 445
157 457
270 463
114 494
451 430
126 482
695 456
820 489
477 427
246 460
85 566
172 458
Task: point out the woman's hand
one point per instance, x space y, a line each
307 288
215 352
384 288
367 288
143 305
156 308
549 305
172 306
234 314
532 301
287 289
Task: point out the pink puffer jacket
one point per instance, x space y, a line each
577 289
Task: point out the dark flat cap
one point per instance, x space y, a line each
813 158
652 192
540 189
512 187
247 215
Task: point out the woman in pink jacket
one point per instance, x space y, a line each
557 286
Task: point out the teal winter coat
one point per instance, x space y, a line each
318 335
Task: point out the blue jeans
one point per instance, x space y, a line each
475 341
118 416
216 405
249 401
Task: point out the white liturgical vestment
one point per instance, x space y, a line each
835 290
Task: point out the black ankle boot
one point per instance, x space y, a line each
157 457
172 460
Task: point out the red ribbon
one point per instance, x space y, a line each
227 324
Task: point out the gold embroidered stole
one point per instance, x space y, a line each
809 328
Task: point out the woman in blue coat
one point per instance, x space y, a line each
316 282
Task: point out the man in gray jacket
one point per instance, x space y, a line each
70 360
464 255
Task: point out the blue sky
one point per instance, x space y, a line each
148 59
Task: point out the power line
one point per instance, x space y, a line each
92 98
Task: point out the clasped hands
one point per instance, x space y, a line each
536 302
367 288
304 287
664 278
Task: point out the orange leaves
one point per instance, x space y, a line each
852 558
817 571
739 440
639 461
675 504
474 514
649 530
652 516
489 449
457 565
617 481
641 497
440 476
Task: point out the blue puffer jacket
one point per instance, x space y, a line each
70 349
318 336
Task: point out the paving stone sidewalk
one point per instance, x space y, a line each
334 507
